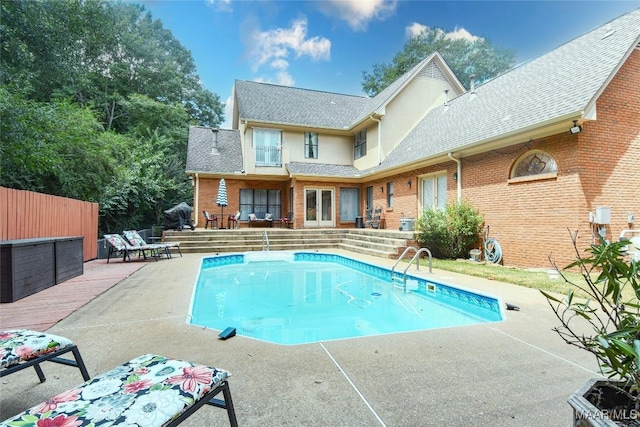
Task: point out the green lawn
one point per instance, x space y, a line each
516 276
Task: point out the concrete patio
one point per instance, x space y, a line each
513 373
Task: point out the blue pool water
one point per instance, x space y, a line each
295 298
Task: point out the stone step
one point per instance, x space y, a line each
381 243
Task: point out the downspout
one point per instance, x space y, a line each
459 175
379 137
196 198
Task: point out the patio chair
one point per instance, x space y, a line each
377 218
287 221
368 219
210 219
233 220
22 348
135 239
118 245
150 390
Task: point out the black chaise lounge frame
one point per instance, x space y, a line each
51 357
210 399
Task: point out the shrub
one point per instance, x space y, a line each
452 232
607 323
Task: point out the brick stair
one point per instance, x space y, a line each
381 243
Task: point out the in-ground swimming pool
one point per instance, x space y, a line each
301 297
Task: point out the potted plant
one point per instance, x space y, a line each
601 314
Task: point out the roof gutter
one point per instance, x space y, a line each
379 137
458 175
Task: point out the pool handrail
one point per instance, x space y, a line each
415 258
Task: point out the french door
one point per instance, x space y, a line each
319 210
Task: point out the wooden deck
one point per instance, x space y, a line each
44 309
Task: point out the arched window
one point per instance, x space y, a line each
535 162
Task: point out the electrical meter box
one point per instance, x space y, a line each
603 215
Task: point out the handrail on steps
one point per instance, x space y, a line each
265 241
415 258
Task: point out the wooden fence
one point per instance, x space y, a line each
27 215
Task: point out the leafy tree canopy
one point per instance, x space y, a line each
95 102
98 53
463 56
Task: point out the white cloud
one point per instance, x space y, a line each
228 112
459 33
221 5
358 13
279 64
415 29
285 79
274 47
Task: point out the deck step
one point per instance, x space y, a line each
380 243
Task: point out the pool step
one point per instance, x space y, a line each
381 243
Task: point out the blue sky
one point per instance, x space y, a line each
327 44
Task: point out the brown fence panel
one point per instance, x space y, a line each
28 215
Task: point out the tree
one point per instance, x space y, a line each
95 102
98 53
463 56
47 147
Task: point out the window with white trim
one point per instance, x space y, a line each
390 194
349 203
535 162
360 144
434 191
267 144
311 145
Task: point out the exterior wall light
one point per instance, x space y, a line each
576 128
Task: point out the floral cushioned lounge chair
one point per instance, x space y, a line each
151 390
22 348
118 245
135 239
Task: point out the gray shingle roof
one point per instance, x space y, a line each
288 105
200 157
272 103
323 169
558 84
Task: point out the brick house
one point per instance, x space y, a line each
552 145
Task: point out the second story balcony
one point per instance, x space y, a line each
268 156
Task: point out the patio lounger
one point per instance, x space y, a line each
150 390
135 239
22 348
118 245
